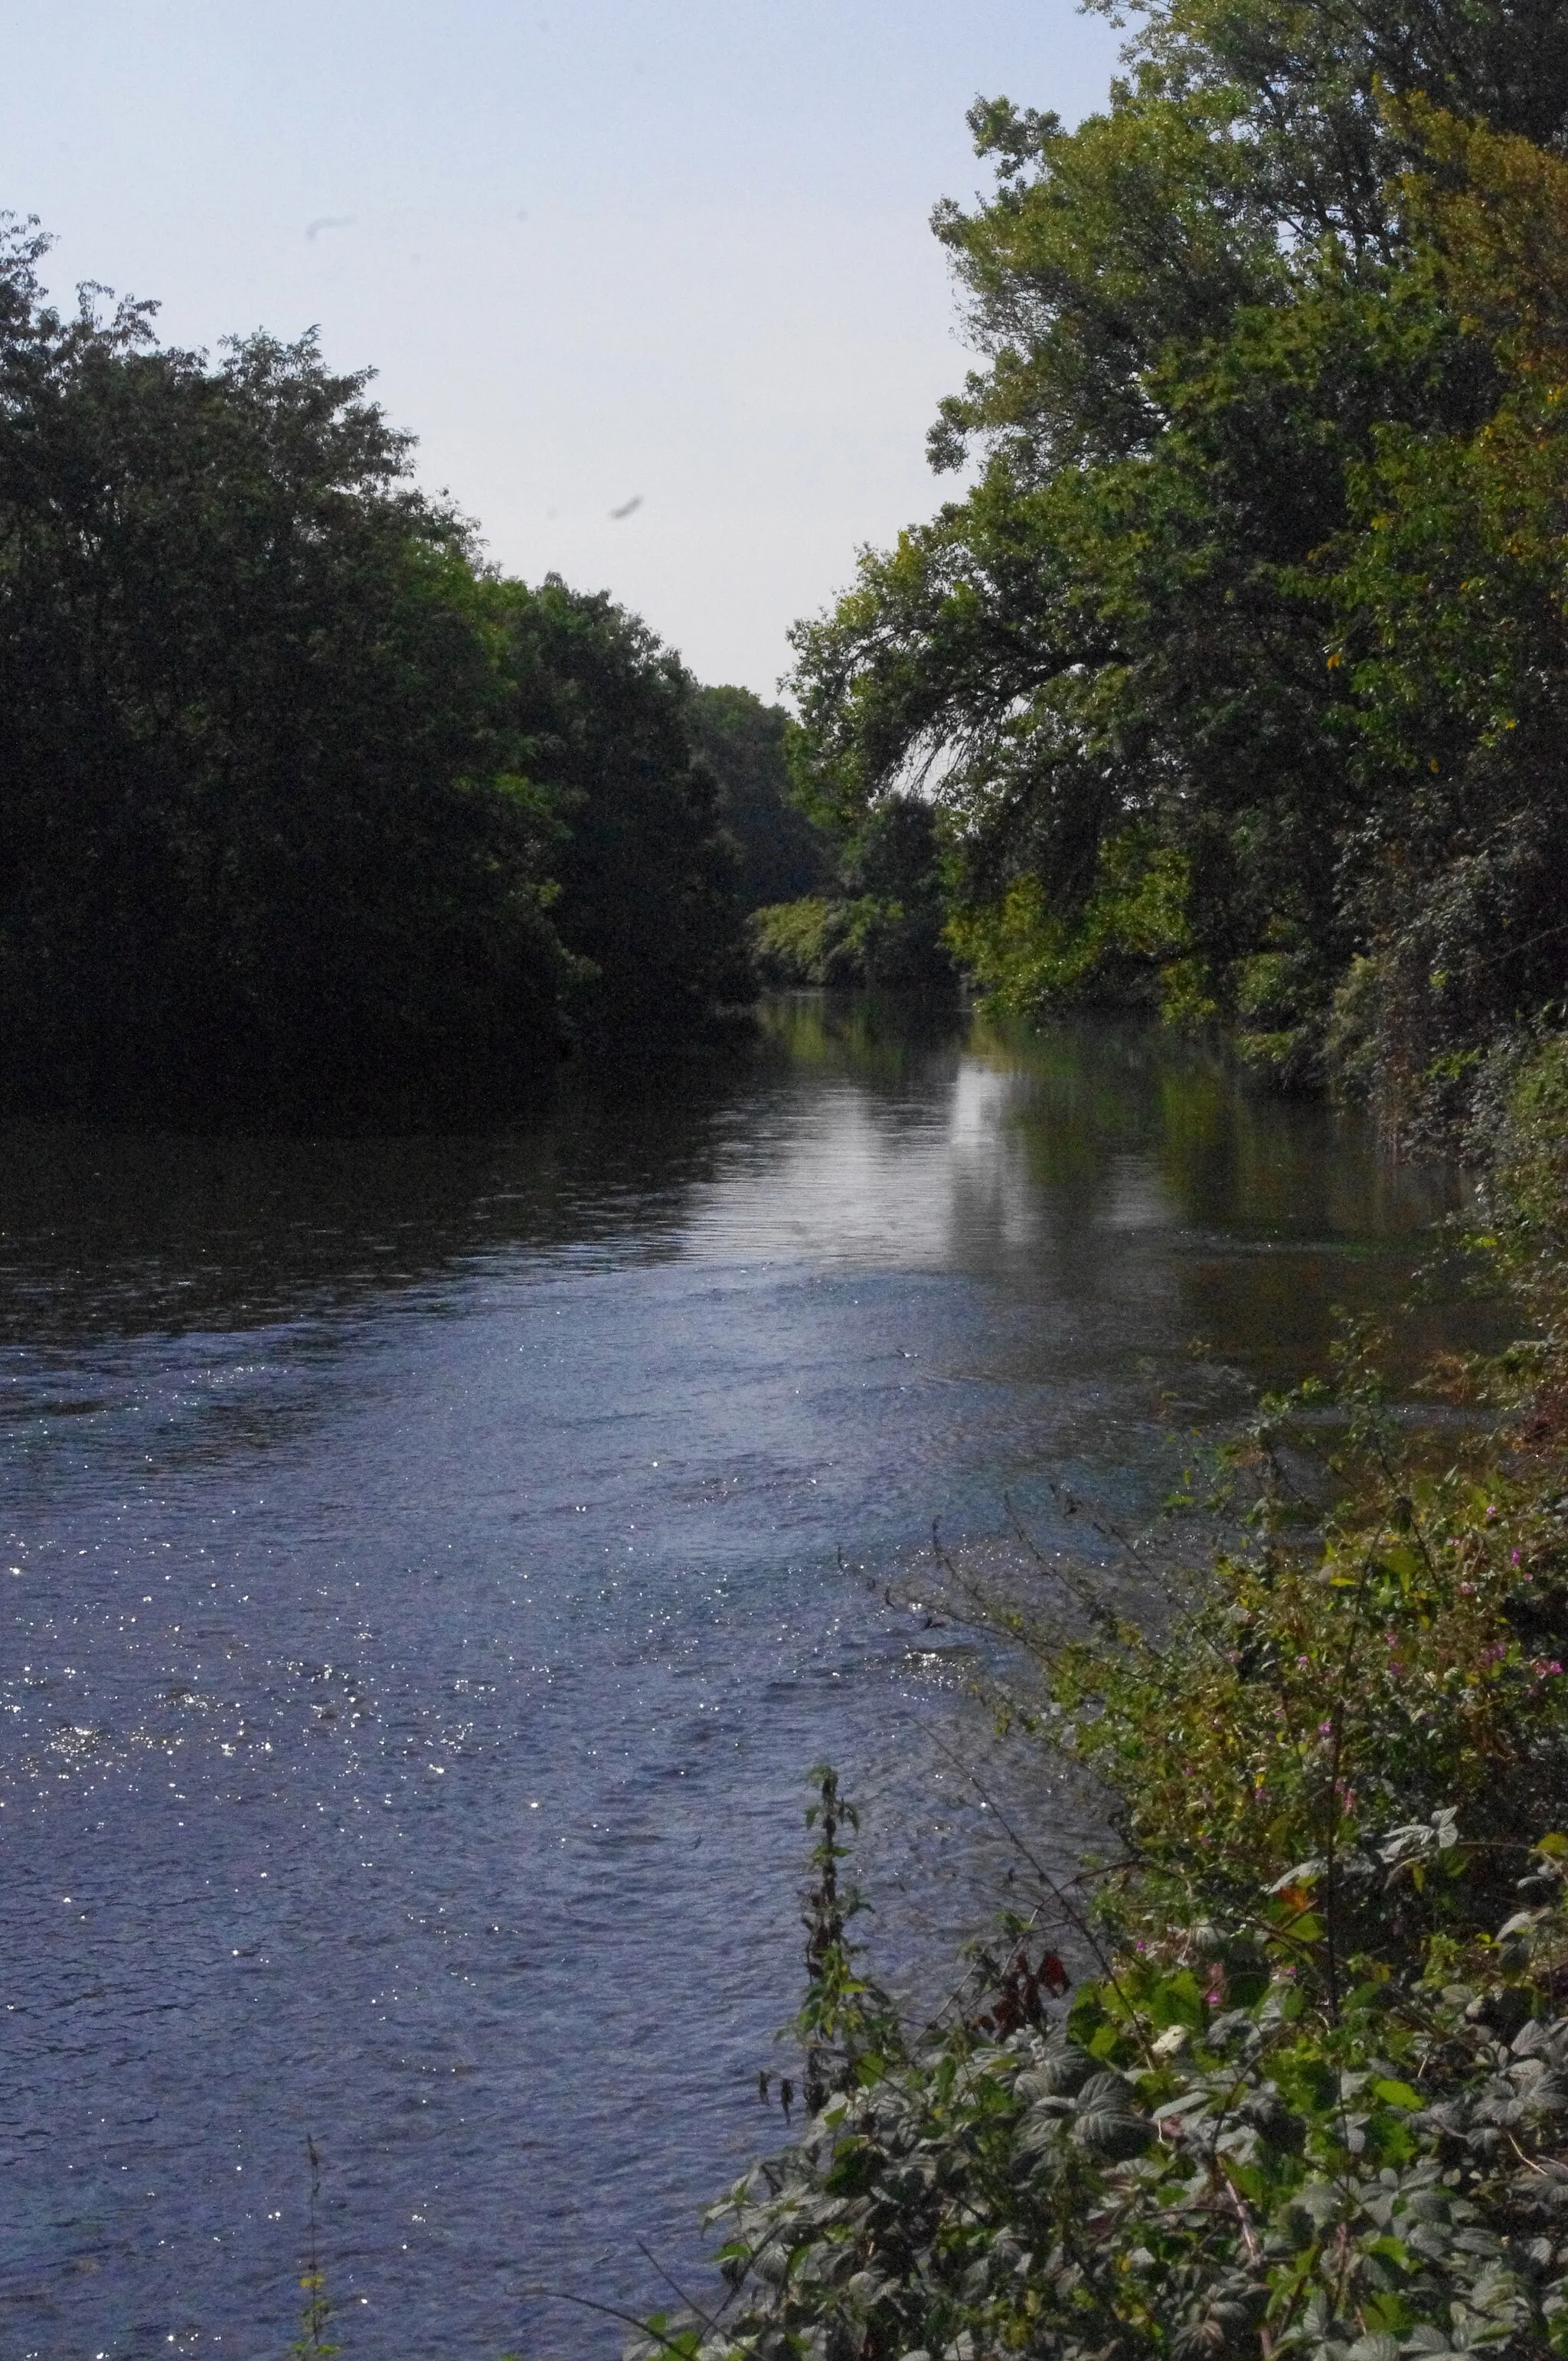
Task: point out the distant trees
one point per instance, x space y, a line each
301 809
1240 672
828 905
880 917
647 871
745 744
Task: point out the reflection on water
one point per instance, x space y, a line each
430 1566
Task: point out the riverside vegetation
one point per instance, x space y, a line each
309 813
1237 676
1311 2096
1233 686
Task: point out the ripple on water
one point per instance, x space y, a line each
431 1567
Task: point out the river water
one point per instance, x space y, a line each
431 1567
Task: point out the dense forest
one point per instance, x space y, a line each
1237 674
307 810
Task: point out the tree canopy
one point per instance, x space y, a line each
745 744
1236 670
304 808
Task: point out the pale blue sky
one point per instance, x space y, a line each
595 251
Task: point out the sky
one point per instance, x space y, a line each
598 254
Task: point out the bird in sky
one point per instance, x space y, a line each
327 221
628 507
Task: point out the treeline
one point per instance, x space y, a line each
835 900
1238 676
306 810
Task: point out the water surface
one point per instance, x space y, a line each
429 1568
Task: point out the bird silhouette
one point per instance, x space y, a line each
327 221
628 507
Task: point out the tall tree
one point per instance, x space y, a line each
265 837
647 872
297 801
1200 315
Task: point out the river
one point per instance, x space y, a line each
432 1567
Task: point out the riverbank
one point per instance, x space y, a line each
1311 2098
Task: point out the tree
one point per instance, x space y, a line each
1451 596
265 840
745 744
879 920
294 789
1204 315
647 873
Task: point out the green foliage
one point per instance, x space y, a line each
1262 570
1191 2165
1520 1141
292 785
884 927
745 744
1401 1664
646 870
1131 938
798 944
